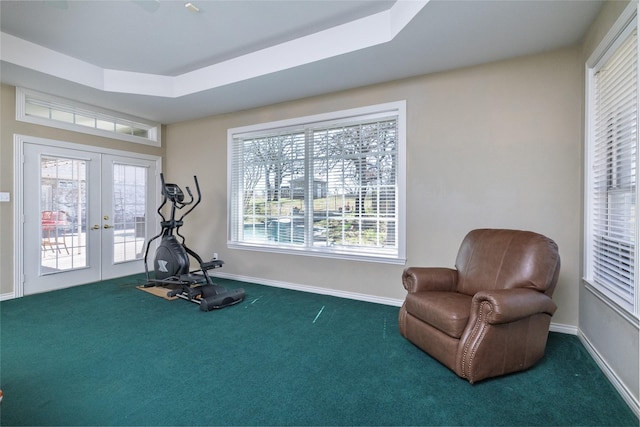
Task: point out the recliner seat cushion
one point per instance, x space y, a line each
445 311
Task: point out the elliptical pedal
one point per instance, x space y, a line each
210 265
221 300
209 297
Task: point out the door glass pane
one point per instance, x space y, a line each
129 207
63 206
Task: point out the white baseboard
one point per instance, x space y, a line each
563 329
555 327
9 295
312 289
622 389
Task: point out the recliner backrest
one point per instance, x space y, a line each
491 259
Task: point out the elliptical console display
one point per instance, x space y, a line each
171 266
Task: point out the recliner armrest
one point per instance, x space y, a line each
415 279
509 305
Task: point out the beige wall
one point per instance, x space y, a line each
9 127
497 145
614 338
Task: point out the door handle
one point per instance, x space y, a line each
95 227
107 226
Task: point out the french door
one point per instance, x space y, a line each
87 215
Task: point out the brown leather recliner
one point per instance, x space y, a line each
490 315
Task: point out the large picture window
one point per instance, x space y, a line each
612 160
327 185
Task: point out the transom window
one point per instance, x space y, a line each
328 185
47 110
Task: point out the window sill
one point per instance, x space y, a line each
317 253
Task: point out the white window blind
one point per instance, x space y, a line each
326 187
613 178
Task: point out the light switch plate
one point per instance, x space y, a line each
5 196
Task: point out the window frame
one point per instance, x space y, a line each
90 112
627 308
398 109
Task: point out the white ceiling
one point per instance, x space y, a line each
161 61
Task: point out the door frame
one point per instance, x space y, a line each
18 201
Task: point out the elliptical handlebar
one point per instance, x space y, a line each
173 193
195 179
164 198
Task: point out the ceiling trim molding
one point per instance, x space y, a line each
35 57
359 34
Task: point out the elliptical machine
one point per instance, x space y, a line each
171 264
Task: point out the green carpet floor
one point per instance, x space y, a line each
109 354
